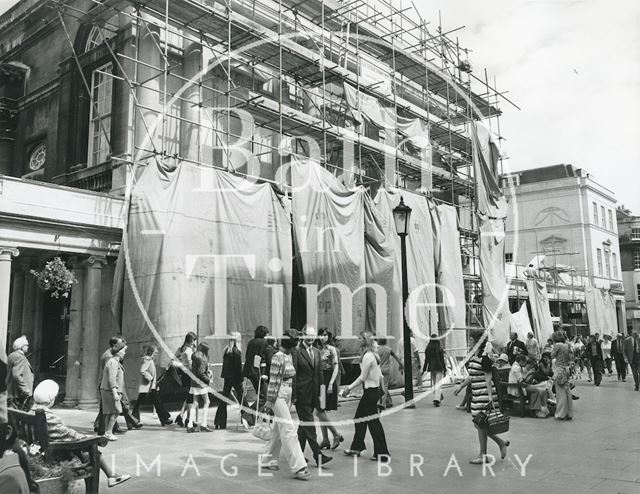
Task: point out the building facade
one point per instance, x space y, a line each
563 221
629 231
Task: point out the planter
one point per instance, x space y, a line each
55 485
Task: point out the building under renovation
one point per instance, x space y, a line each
95 94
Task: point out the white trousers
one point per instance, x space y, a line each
285 433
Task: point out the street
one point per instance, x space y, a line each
598 451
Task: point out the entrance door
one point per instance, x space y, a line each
55 334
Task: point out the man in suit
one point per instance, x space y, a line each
632 354
515 347
306 392
19 376
617 352
593 351
256 354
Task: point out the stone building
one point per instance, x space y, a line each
629 231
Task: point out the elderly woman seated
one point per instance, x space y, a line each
44 397
524 371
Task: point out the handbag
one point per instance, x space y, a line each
497 422
263 430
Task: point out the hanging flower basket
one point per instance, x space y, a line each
56 278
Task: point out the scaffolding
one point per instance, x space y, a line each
212 82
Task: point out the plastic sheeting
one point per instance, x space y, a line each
495 307
540 312
520 323
329 227
200 240
491 209
383 268
448 265
601 311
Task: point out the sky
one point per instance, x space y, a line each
572 66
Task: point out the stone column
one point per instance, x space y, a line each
148 125
190 107
17 301
89 371
29 303
74 343
6 254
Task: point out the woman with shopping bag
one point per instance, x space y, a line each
482 393
284 432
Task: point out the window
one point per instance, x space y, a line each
638 292
636 259
100 115
607 263
599 258
635 234
610 220
508 257
510 181
38 157
595 212
604 218
614 261
96 37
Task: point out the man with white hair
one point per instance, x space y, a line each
19 376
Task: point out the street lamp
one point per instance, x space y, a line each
401 217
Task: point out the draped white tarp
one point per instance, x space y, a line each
520 323
329 227
491 208
448 266
201 241
495 307
382 261
540 312
601 311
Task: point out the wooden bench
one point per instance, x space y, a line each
32 428
509 403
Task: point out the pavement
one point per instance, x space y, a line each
599 452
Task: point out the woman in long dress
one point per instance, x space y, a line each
482 391
562 377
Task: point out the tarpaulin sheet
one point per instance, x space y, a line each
495 307
489 198
520 323
540 312
382 261
329 227
448 265
601 311
421 277
183 226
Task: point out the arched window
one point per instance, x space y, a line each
96 37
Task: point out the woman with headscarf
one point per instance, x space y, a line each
232 375
112 388
44 396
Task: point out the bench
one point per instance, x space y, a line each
509 403
32 428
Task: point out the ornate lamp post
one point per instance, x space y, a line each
401 217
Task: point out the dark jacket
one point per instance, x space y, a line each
434 359
255 347
19 375
587 351
232 365
200 369
514 348
306 388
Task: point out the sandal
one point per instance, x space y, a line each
352 452
477 461
503 450
119 479
302 474
336 441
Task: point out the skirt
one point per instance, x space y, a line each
110 406
197 391
330 399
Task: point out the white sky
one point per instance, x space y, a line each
573 66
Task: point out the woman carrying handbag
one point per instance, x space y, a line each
284 434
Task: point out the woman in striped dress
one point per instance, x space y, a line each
482 391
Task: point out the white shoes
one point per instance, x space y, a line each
113 481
